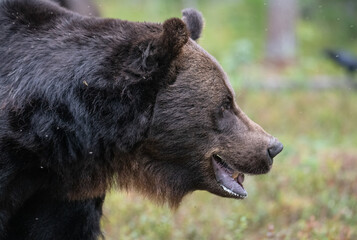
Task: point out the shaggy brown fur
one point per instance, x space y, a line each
87 103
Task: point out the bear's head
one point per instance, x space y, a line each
95 99
199 139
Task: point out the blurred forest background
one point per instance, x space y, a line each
282 58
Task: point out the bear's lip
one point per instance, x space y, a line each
229 179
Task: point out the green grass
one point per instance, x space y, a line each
309 194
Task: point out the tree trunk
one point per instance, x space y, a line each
281 39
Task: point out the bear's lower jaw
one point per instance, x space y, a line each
230 180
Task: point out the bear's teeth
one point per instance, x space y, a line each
233 193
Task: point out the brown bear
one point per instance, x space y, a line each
88 102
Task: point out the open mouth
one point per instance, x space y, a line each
230 180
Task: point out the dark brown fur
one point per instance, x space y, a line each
88 103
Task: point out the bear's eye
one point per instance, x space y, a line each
227 104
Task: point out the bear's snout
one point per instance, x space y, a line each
274 149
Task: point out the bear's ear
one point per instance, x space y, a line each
155 53
174 36
194 22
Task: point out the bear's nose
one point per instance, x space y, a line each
275 148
